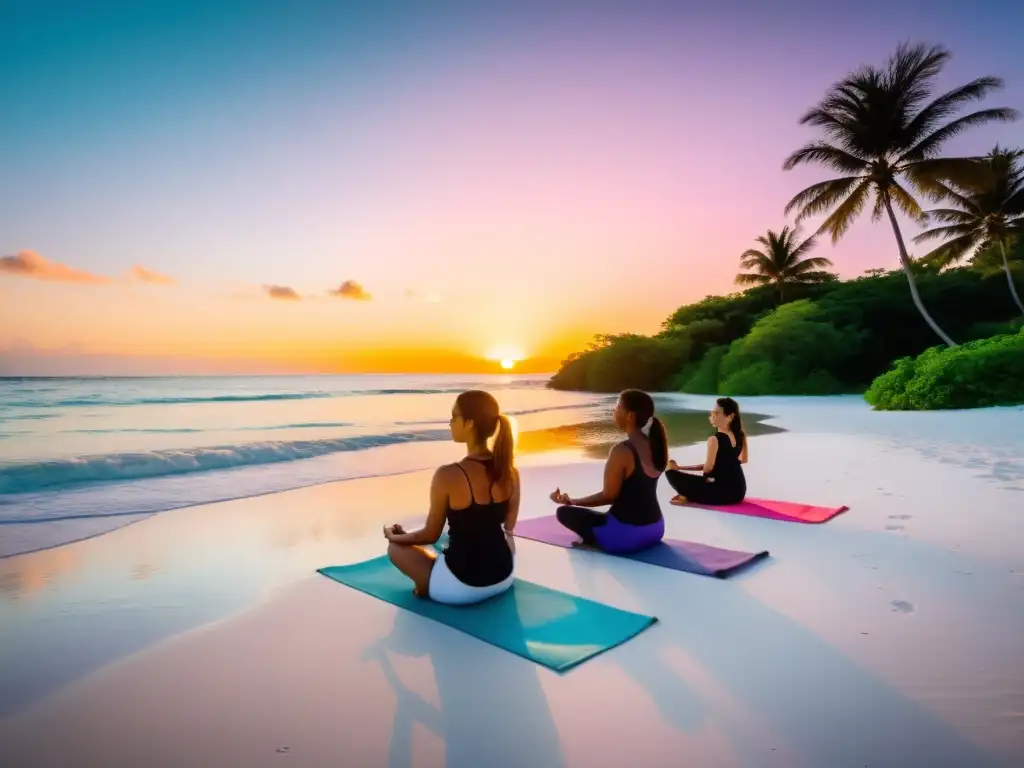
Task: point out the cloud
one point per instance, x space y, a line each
352 290
31 264
416 294
281 292
149 276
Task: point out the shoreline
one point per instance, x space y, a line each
909 604
592 438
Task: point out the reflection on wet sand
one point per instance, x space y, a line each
23 576
595 438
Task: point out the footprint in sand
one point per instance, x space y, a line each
902 606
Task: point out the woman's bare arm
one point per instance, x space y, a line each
709 461
614 471
431 530
743 453
513 512
513 504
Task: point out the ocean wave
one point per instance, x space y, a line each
190 430
59 474
97 402
138 430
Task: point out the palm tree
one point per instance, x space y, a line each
880 131
988 214
782 262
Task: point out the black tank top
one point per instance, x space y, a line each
477 552
637 503
728 472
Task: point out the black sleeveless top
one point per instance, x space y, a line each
637 503
728 472
478 554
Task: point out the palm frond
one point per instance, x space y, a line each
755 260
843 216
906 203
822 196
805 247
952 216
878 208
954 230
949 193
752 278
1014 206
948 104
953 251
807 265
824 153
930 145
910 71
938 178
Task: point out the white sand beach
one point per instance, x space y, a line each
889 636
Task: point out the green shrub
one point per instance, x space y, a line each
573 373
789 351
860 327
636 362
624 362
701 378
978 374
699 335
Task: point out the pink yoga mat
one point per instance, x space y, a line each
789 511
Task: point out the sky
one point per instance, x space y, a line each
243 187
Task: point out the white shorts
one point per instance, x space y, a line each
445 588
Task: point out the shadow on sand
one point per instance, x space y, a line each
493 710
830 710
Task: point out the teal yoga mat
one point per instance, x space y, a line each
544 625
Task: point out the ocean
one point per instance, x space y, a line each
82 456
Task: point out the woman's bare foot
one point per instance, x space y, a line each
679 501
417 593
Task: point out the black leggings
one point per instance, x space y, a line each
581 521
696 489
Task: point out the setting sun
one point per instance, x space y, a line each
506 356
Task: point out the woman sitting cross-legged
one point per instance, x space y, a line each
634 521
721 481
479 497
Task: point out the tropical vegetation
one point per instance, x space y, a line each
884 132
782 261
987 214
800 330
987 372
825 338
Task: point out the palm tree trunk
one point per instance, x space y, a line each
905 263
1009 276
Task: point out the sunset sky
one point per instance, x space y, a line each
254 186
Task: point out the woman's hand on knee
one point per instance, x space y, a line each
560 497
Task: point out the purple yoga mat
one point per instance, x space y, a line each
686 556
